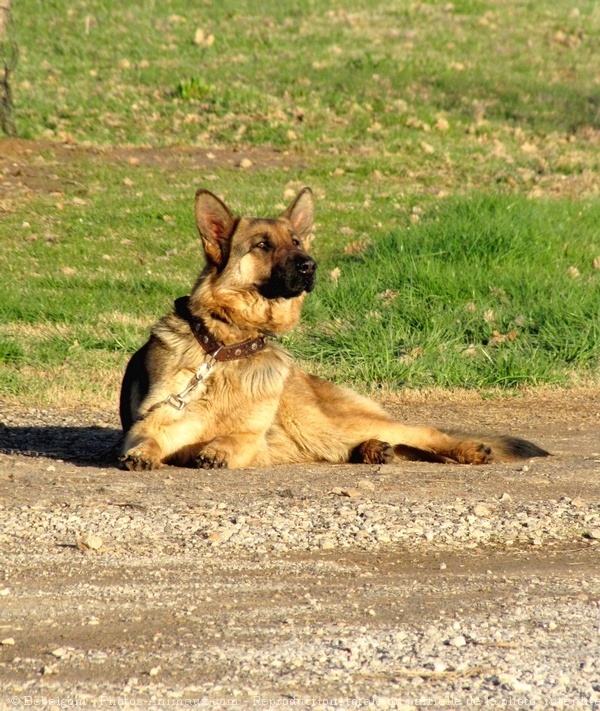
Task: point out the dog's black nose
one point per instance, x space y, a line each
306 265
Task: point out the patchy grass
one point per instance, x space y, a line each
266 72
453 148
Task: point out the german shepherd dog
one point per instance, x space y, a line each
211 389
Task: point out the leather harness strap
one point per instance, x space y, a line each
209 343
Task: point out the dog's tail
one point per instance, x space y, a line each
506 448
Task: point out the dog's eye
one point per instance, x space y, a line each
264 245
296 242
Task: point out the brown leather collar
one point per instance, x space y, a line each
217 350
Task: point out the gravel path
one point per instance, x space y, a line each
395 586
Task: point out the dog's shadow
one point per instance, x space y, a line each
92 446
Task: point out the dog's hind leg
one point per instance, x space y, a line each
432 445
374 451
420 442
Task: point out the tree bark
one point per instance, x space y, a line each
4 17
8 61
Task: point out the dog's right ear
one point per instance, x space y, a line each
215 224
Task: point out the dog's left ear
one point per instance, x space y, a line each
215 224
301 213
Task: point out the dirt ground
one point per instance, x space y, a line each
254 587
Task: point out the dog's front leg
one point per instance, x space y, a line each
155 438
232 451
141 452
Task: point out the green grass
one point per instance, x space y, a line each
130 72
453 151
480 293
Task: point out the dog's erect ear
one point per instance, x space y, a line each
301 213
215 224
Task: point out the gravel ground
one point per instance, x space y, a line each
394 586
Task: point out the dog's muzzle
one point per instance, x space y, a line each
290 277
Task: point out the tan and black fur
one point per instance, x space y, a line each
262 410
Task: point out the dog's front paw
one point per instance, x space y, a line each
373 451
142 456
210 458
137 461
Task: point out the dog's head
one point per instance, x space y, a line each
260 264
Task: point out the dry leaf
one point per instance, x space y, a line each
356 247
388 296
334 275
597 263
573 272
489 316
89 542
498 337
68 271
415 353
307 241
528 148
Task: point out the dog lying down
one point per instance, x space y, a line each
211 388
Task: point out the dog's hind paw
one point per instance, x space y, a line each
472 453
373 451
209 458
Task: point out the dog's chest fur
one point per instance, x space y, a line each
233 390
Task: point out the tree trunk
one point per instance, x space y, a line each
4 17
8 60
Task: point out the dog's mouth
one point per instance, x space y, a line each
294 276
